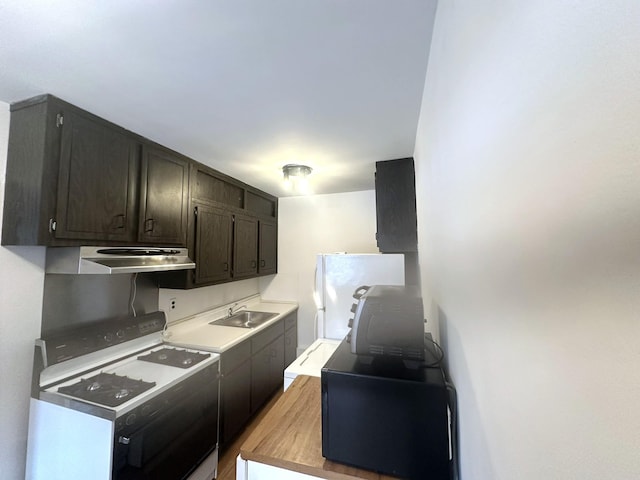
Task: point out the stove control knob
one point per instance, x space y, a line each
120 334
131 419
146 410
108 337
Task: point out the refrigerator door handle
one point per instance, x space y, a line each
318 325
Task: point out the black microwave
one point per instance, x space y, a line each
386 418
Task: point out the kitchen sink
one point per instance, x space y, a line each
245 319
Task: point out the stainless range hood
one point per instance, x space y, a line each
111 260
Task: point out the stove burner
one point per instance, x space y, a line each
107 389
93 386
122 393
175 357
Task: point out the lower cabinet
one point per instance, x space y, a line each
267 363
266 372
252 371
290 339
235 390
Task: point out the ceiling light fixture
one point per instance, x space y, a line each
296 176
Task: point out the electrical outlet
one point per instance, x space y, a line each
172 304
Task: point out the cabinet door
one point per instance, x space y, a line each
290 338
261 377
213 238
164 192
96 183
276 366
267 370
235 407
236 401
268 248
245 243
290 346
210 186
396 206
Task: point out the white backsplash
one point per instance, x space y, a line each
196 300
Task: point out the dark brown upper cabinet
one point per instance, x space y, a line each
231 233
215 188
267 247
213 242
71 177
164 193
396 206
74 178
97 181
245 244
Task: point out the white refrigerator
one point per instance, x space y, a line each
337 277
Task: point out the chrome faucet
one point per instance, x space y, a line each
233 308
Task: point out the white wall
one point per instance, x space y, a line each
528 183
344 222
21 286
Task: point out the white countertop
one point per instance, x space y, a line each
196 332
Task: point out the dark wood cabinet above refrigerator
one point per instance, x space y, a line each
396 206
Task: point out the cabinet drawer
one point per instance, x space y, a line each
265 337
233 358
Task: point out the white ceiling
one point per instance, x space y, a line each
244 86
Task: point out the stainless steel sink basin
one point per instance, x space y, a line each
245 319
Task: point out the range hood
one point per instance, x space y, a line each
111 260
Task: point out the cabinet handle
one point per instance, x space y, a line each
253 264
118 222
225 266
262 263
148 225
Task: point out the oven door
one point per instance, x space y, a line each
174 438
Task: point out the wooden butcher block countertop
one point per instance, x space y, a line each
290 436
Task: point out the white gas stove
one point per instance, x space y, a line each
152 407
